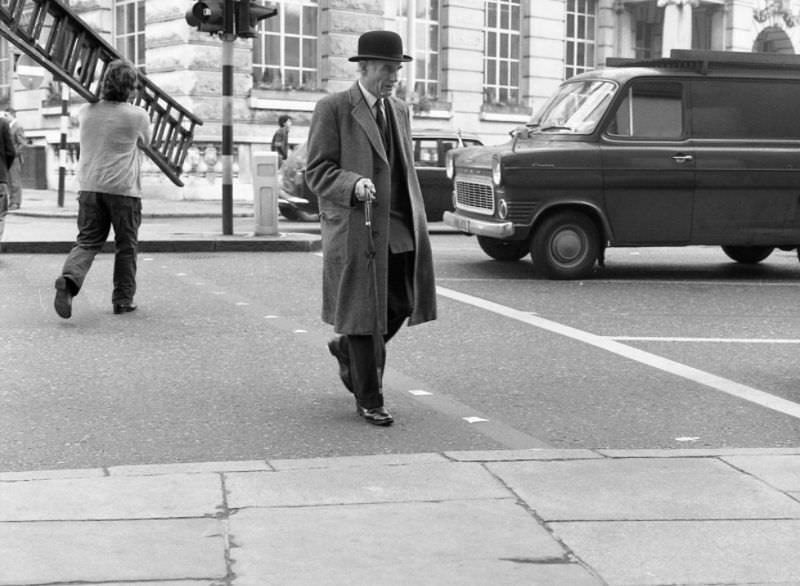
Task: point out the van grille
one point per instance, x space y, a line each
521 212
475 196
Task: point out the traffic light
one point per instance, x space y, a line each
247 16
208 16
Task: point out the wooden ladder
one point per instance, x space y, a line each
61 42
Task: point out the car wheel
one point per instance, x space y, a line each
565 246
748 255
505 250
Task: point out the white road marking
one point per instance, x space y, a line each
717 284
712 340
474 419
419 393
653 360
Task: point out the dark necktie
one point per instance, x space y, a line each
382 126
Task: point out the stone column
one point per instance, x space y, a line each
544 45
341 23
677 33
462 58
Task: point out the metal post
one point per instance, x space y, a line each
62 149
411 32
228 37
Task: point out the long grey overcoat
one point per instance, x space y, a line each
344 145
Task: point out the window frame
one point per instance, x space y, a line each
498 66
271 34
580 14
133 37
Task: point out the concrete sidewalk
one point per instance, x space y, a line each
42 226
549 517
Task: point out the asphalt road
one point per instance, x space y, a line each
226 360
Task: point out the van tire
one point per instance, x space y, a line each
504 250
748 255
566 246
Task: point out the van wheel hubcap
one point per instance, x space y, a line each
567 246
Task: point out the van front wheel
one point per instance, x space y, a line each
565 246
748 255
506 250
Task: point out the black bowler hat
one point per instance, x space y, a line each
380 45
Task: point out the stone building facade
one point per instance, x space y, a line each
482 66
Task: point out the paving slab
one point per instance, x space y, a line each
366 484
695 452
465 543
160 583
50 474
687 552
357 461
522 455
111 551
643 489
140 497
189 468
782 472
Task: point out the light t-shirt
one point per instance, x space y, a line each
110 160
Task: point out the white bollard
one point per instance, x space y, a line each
265 193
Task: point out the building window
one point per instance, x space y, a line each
649 25
501 75
129 31
426 45
580 36
285 48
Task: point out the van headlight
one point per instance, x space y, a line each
497 171
449 165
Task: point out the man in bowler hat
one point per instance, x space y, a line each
360 150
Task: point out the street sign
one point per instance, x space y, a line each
30 74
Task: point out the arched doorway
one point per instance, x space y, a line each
773 40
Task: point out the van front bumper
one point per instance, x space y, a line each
479 227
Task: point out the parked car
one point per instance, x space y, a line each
297 203
695 149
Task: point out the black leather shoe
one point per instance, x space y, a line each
124 308
376 416
63 300
335 348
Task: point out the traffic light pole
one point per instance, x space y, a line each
228 37
232 19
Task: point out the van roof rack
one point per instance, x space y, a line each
702 61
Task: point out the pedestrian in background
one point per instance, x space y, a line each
15 171
280 140
7 154
360 150
110 188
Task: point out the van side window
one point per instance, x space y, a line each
650 109
723 108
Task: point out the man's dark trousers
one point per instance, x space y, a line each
365 361
97 212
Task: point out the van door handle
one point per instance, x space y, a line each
679 158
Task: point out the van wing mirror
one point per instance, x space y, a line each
520 132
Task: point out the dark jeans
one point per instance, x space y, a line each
97 213
367 356
3 207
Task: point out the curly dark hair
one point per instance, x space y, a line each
120 81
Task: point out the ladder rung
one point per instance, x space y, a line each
61 42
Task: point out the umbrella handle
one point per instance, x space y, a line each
368 212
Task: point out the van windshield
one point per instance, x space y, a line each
575 108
